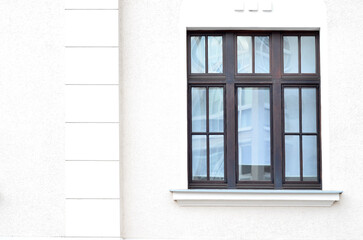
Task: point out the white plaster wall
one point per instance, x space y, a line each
154 123
59 134
31 118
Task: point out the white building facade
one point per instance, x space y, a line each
94 120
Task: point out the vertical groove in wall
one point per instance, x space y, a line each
75 227
122 217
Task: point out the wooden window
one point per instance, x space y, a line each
254 110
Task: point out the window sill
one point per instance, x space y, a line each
255 198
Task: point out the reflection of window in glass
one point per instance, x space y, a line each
244 109
257 158
244 161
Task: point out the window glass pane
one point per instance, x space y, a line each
216 109
245 116
308 56
309 147
197 54
308 108
216 157
244 159
291 55
262 54
292 158
244 54
215 55
253 134
291 109
246 97
199 157
244 108
199 104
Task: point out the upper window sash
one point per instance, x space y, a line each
206 54
300 54
253 54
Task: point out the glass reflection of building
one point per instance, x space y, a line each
254 134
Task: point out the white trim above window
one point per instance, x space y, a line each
255 198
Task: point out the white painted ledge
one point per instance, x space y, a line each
255 198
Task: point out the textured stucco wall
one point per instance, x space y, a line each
153 120
153 127
31 118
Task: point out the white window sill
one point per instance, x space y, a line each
254 198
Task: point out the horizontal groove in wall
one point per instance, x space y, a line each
91 84
91 46
91 4
93 122
97 9
71 160
92 198
93 237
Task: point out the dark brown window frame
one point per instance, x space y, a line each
276 80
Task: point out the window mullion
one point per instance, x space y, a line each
276 109
207 130
230 111
299 52
300 136
206 54
253 54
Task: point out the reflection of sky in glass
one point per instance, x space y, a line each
291 55
216 109
216 157
199 112
199 157
200 143
292 157
197 54
215 55
262 54
308 108
310 157
291 110
244 54
308 54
